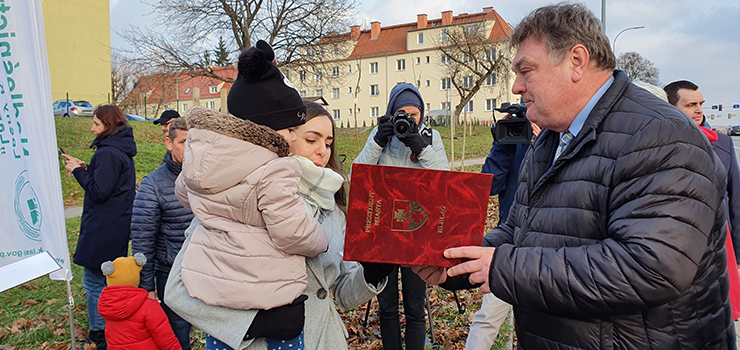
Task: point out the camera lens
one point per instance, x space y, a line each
401 128
516 131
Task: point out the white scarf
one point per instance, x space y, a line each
318 185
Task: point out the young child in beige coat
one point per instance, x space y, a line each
238 179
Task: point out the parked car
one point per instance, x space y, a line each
734 130
69 108
134 117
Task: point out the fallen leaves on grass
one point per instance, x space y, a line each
51 301
6 347
3 332
81 333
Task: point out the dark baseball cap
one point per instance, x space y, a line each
166 116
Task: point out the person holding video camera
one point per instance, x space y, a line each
503 163
400 139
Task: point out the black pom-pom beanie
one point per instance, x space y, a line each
262 94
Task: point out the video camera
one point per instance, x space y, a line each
403 124
515 130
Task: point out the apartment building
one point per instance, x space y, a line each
355 71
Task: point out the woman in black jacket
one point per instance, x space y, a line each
109 183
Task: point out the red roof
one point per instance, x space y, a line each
161 87
392 39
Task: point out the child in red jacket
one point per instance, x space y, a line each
132 320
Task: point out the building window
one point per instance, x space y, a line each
302 93
420 38
418 83
445 83
336 49
491 54
490 104
428 82
491 80
319 74
373 67
184 107
374 91
443 35
418 60
302 75
472 29
429 107
468 82
445 59
349 90
335 72
357 67
211 104
335 93
310 52
468 106
349 68
213 89
446 106
468 58
374 112
336 114
358 110
319 93
350 112
427 59
401 65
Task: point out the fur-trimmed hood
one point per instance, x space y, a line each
240 129
222 150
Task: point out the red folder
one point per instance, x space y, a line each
409 216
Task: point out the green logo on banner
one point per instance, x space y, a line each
27 207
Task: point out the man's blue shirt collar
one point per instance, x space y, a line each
577 124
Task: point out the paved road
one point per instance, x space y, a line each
736 141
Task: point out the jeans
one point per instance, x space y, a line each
93 281
179 326
272 344
414 293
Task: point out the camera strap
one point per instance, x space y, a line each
426 134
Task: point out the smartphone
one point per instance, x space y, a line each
61 150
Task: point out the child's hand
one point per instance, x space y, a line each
153 295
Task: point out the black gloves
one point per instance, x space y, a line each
414 141
375 272
281 323
385 131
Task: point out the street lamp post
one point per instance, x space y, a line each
614 45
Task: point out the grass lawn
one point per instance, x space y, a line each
34 315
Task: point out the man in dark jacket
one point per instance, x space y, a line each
159 222
616 236
686 96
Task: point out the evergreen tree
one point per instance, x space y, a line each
222 54
206 59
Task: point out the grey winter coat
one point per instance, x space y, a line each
620 243
158 222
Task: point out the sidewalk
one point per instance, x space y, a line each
72 212
471 161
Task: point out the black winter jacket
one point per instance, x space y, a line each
159 221
109 183
620 243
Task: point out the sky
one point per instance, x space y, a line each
685 39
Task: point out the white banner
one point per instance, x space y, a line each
31 208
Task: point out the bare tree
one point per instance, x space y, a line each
125 73
287 25
638 67
474 62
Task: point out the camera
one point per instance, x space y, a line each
515 130
403 124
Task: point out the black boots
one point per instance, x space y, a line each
98 338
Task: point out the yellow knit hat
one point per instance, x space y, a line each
124 271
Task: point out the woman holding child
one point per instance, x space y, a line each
281 241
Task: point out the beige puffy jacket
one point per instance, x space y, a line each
248 252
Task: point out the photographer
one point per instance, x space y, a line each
421 148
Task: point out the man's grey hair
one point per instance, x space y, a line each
177 124
562 26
